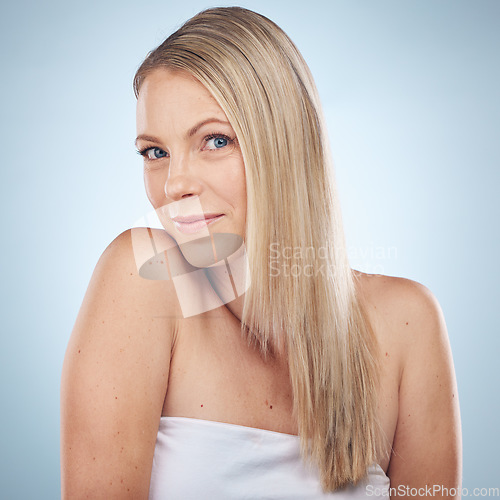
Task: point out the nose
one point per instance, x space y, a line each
181 181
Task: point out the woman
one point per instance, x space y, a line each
253 363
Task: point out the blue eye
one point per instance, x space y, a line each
217 141
152 153
220 142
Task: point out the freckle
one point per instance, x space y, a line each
94 458
136 466
130 274
103 322
110 482
453 395
271 407
407 322
408 414
128 489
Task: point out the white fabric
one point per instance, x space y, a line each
198 459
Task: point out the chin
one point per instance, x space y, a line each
210 250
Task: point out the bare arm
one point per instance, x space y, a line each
427 448
114 380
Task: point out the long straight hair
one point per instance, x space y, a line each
302 295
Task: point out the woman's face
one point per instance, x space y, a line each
193 167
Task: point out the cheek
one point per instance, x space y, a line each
233 183
241 191
240 194
154 184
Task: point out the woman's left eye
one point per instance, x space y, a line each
216 142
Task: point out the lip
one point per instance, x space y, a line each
193 223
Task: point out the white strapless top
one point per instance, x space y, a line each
198 459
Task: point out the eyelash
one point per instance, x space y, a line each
143 151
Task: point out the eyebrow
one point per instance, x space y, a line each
190 132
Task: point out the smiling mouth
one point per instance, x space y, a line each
194 223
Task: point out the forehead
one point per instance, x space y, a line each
177 93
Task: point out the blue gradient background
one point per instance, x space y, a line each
411 94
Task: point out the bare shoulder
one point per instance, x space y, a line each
406 308
115 373
408 318
404 313
120 271
395 294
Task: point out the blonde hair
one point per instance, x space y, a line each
264 86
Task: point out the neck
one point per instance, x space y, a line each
230 280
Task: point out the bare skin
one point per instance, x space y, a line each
210 348
133 357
